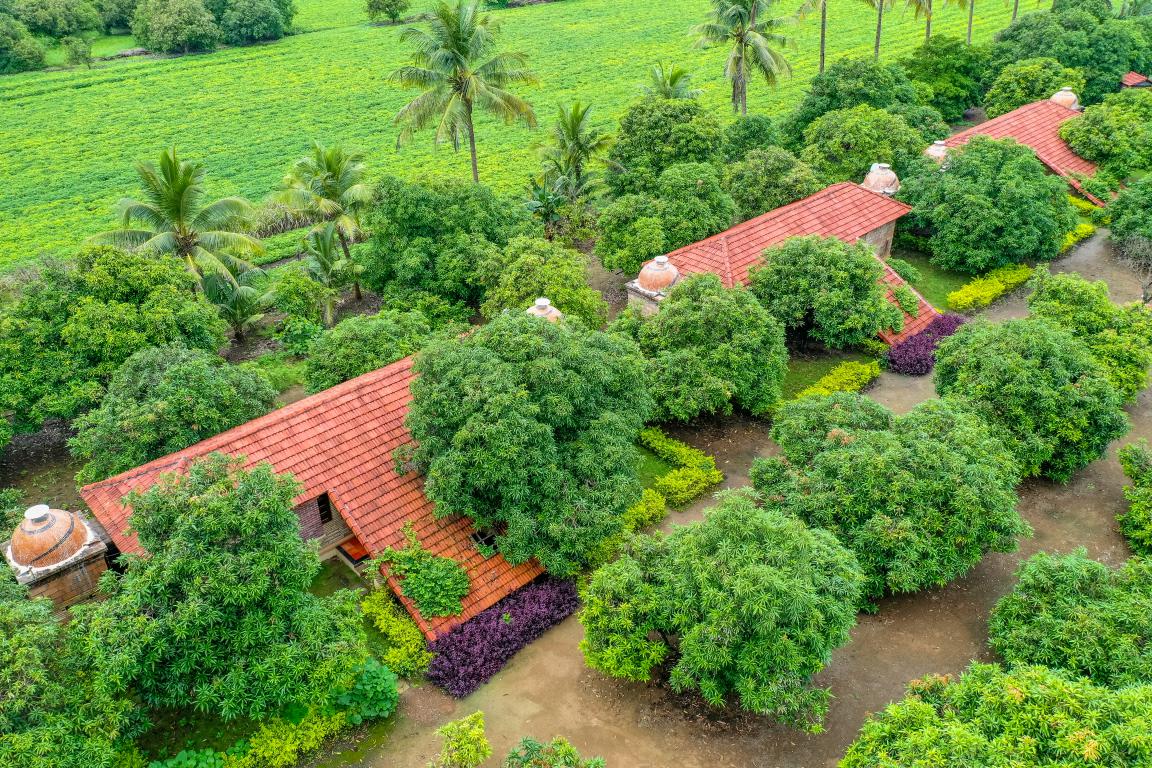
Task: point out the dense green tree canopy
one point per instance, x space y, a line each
431 237
161 400
531 267
994 204
56 18
53 713
19 51
843 144
767 179
1131 212
656 134
826 289
1119 337
1071 612
1028 80
1136 521
920 499
218 616
747 605
748 133
847 83
812 425
1116 134
528 428
73 324
1028 717
952 69
1040 389
711 348
364 343
687 204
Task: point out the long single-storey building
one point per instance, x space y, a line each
848 211
1135 80
1036 125
338 444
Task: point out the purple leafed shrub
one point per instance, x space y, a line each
916 356
475 651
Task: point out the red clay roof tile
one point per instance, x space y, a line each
1135 80
844 210
340 441
1037 125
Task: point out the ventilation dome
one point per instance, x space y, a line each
47 537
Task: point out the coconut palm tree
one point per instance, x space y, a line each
753 40
327 186
242 297
807 8
879 6
575 144
456 66
171 220
923 8
971 17
671 82
330 265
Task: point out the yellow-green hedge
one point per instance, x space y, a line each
1084 207
850 376
695 470
407 654
987 288
1082 232
280 743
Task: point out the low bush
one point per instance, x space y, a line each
907 300
850 376
1081 232
372 696
1082 206
1136 521
557 753
435 584
405 652
468 656
987 288
1071 612
280 743
695 470
362 344
651 509
916 355
907 272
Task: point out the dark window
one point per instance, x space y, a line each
324 504
484 540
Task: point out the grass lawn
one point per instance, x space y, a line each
935 283
651 467
804 371
102 45
70 138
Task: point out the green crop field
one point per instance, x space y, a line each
69 139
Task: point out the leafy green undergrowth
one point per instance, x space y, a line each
174 730
804 371
935 283
652 467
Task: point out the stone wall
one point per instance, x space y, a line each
881 239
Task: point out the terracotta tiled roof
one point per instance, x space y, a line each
340 441
1037 125
845 210
1135 80
925 312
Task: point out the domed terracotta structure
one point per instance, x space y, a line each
658 275
55 554
881 178
938 151
1065 97
47 537
543 308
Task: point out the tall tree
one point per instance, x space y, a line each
754 44
457 67
172 220
328 186
670 82
923 8
879 5
575 144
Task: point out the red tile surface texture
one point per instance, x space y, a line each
340 441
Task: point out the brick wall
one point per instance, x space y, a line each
329 534
72 584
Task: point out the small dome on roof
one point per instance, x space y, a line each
1065 97
543 308
938 151
658 275
47 537
881 178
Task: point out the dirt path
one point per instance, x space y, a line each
547 690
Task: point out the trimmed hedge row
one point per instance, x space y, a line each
1081 232
987 288
850 376
407 654
695 470
468 656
